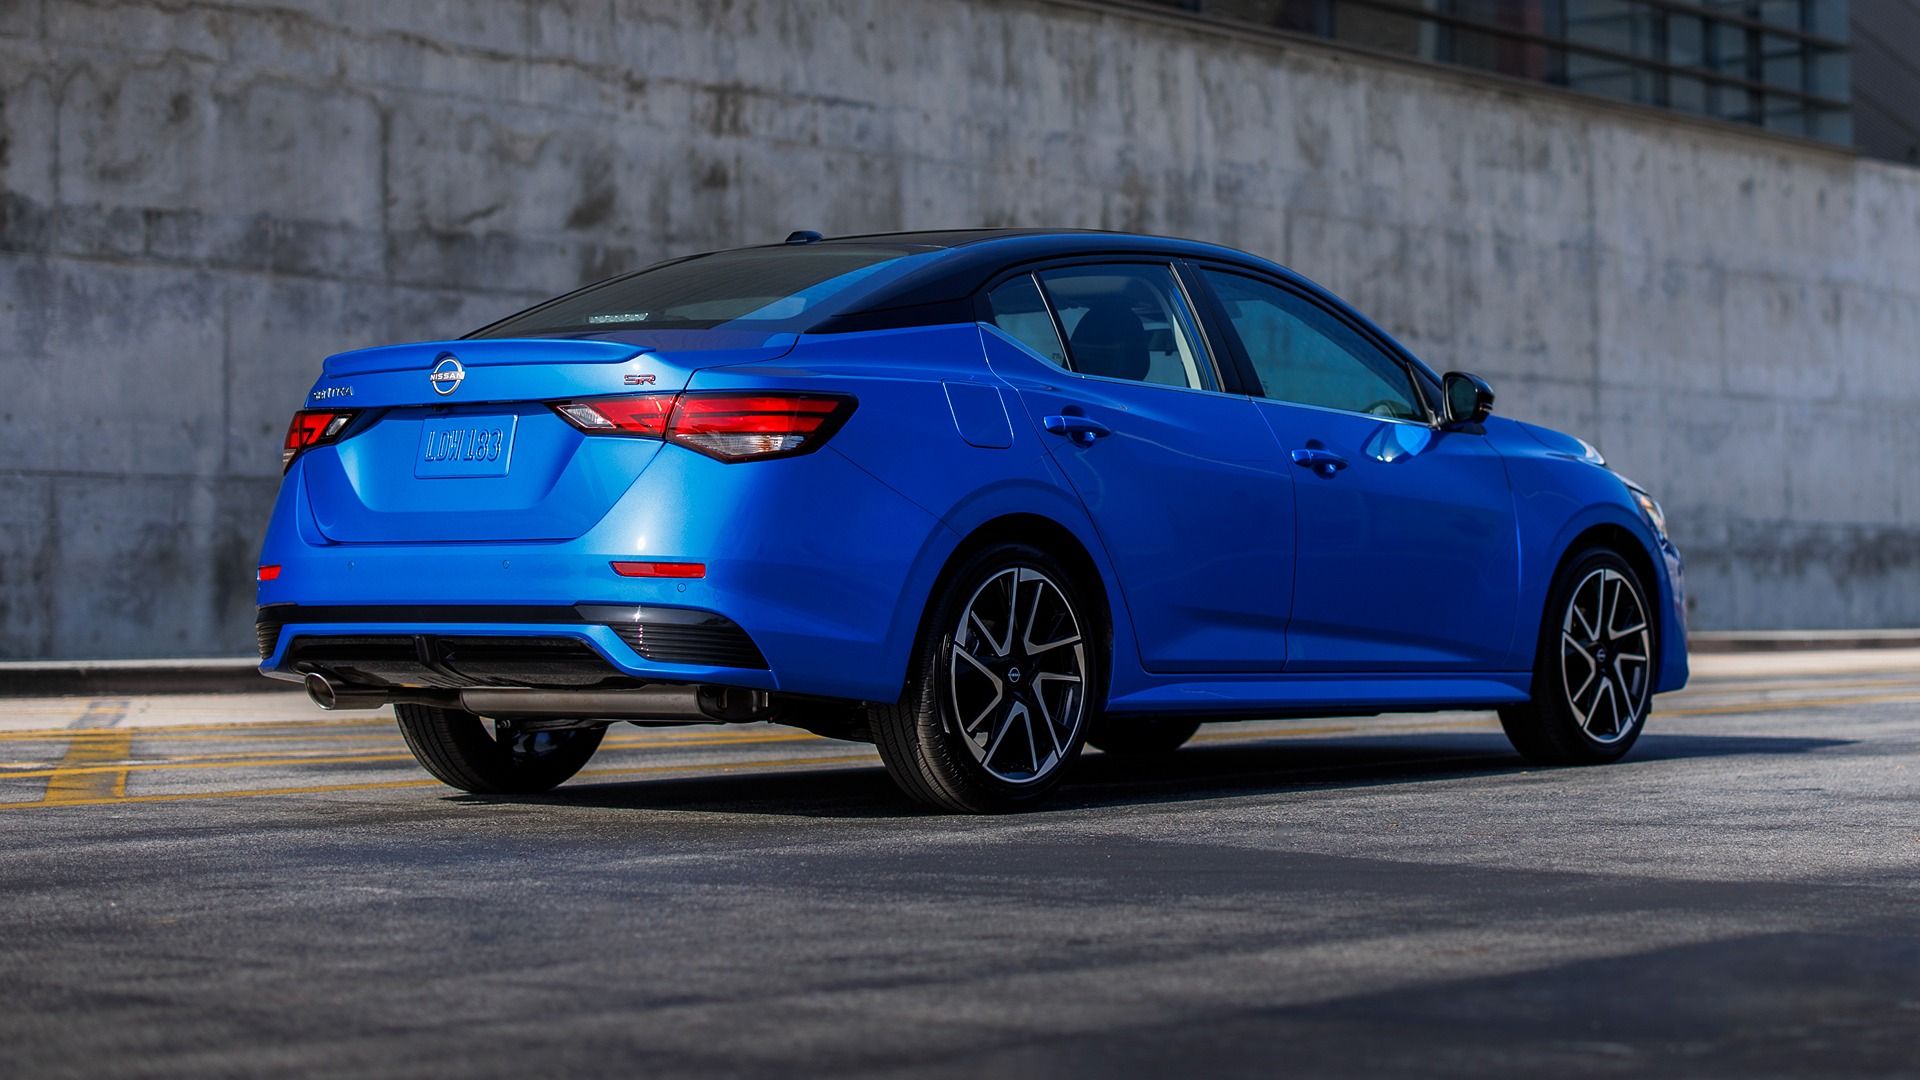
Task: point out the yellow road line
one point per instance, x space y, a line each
318 729
99 760
77 779
1812 682
253 761
398 785
273 761
264 727
124 767
1789 706
336 728
83 761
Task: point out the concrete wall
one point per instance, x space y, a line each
200 199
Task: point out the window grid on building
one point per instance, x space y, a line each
1776 64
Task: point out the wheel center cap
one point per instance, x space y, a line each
1013 674
1600 655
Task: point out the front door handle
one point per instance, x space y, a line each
1322 462
1083 430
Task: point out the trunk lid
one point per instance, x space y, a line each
454 440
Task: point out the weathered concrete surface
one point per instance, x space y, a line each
198 200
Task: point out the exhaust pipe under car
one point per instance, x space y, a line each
329 696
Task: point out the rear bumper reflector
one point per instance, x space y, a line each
660 569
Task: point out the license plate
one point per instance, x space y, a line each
465 446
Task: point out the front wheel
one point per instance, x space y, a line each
1003 685
1593 671
493 757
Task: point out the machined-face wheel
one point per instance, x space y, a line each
1016 676
1605 646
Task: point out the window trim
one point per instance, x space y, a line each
983 314
1345 317
1034 268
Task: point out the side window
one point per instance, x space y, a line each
1302 353
1128 322
1017 308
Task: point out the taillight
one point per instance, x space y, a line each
725 425
645 415
311 428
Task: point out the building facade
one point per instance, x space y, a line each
199 200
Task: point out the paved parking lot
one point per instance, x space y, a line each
216 885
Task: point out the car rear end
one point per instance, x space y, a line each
563 508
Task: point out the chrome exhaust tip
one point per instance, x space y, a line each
331 697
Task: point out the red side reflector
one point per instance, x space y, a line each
661 569
269 573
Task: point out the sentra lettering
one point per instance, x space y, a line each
466 444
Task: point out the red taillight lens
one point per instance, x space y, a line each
729 426
268 573
311 428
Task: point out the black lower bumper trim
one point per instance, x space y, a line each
664 635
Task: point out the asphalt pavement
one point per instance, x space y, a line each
238 884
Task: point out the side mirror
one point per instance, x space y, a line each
1469 398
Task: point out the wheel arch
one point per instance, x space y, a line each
1049 536
1622 541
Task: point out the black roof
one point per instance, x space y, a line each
949 238
976 255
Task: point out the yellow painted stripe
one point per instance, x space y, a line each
261 761
1811 682
266 727
1789 706
76 779
399 785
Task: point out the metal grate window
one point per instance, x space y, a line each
1777 64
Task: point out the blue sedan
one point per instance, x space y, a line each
978 497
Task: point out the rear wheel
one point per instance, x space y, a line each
493 757
1593 672
1003 685
1146 737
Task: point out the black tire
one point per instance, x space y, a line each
924 741
1565 722
458 749
1144 737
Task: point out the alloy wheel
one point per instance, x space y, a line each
1605 642
1016 675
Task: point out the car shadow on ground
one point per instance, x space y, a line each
1196 772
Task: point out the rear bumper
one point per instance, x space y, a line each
818 565
585 646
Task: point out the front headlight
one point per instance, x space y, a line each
1650 506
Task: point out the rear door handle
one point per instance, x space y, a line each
1322 462
1083 430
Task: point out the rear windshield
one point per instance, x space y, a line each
773 289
